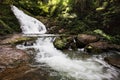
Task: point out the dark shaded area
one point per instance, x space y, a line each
8 22
69 17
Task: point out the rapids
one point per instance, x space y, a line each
89 69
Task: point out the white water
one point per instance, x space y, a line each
28 24
89 69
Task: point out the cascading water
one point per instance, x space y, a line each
89 69
78 69
29 25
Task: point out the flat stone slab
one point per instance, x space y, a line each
10 56
14 39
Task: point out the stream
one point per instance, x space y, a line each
64 67
59 65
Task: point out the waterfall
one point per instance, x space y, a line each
89 69
28 24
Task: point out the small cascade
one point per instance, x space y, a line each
90 69
78 69
28 24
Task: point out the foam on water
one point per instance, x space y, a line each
29 25
90 69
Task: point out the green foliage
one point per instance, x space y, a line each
60 43
8 22
100 32
79 27
5 28
100 14
45 7
114 39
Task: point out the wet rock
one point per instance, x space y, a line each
25 72
65 43
61 43
114 47
35 74
114 61
10 56
83 39
13 73
15 39
98 47
71 42
73 46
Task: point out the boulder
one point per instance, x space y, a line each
83 39
65 43
114 61
60 43
10 56
74 42
100 46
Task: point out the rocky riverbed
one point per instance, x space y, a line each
15 62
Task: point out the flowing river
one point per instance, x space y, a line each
58 63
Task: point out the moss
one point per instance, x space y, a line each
100 32
60 43
20 40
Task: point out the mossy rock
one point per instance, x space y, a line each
16 39
63 43
60 43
